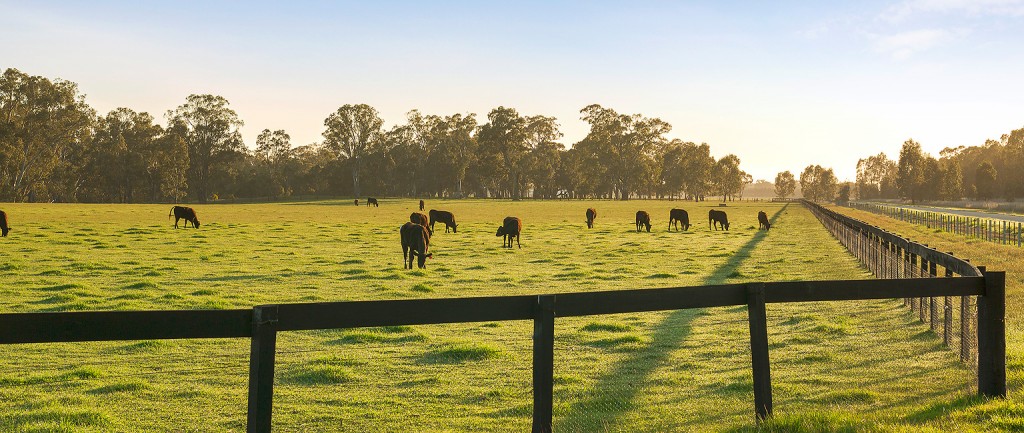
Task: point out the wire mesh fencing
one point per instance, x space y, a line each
954 319
995 230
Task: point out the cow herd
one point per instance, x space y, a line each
416 233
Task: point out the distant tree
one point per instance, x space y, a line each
912 171
785 184
818 183
950 179
44 125
985 181
1013 171
728 178
210 130
845 190
273 150
876 177
352 133
502 145
698 165
121 155
543 155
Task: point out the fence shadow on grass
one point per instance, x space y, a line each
600 410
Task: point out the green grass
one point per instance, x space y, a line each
845 366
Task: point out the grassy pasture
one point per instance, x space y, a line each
848 366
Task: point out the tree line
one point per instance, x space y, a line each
992 170
55 147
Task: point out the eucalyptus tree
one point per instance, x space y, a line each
911 171
502 145
727 176
352 133
818 183
543 157
124 156
625 145
454 150
44 126
273 152
210 130
785 184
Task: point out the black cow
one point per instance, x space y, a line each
3 223
415 243
373 201
421 205
421 219
643 219
680 217
357 202
716 217
762 221
510 228
186 213
445 217
591 215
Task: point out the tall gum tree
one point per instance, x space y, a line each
210 130
352 132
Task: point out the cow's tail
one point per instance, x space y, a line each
169 215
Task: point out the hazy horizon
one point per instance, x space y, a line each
781 86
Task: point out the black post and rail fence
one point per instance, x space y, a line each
261 324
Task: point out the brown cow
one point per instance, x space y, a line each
591 214
762 221
415 243
357 202
643 219
445 217
510 228
371 200
678 216
716 217
186 213
421 219
421 205
3 223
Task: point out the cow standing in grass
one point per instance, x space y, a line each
680 217
643 219
591 215
371 200
421 205
415 244
716 217
510 228
3 223
421 219
445 217
186 213
357 202
762 221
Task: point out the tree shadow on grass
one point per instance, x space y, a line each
601 410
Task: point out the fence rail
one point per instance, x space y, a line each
261 324
993 230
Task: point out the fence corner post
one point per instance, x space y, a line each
543 363
992 336
758 318
261 368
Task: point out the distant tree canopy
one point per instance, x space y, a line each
785 184
818 183
992 170
54 147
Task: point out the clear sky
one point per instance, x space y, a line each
780 84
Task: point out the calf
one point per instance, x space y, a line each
421 205
421 219
186 213
762 221
643 219
678 216
371 200
3 223
591 214
510 228
716 217
415 243
445 217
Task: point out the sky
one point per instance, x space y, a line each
780 84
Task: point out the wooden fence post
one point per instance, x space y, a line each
543 363
932 304
992 336
261 368
757 316
947 323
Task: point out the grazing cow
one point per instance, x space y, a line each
762 221
186 213
643 219
3 223
357 202
510 228
421 219
371 200
421 205
716 217
591 214
415 243
678 216
445 217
